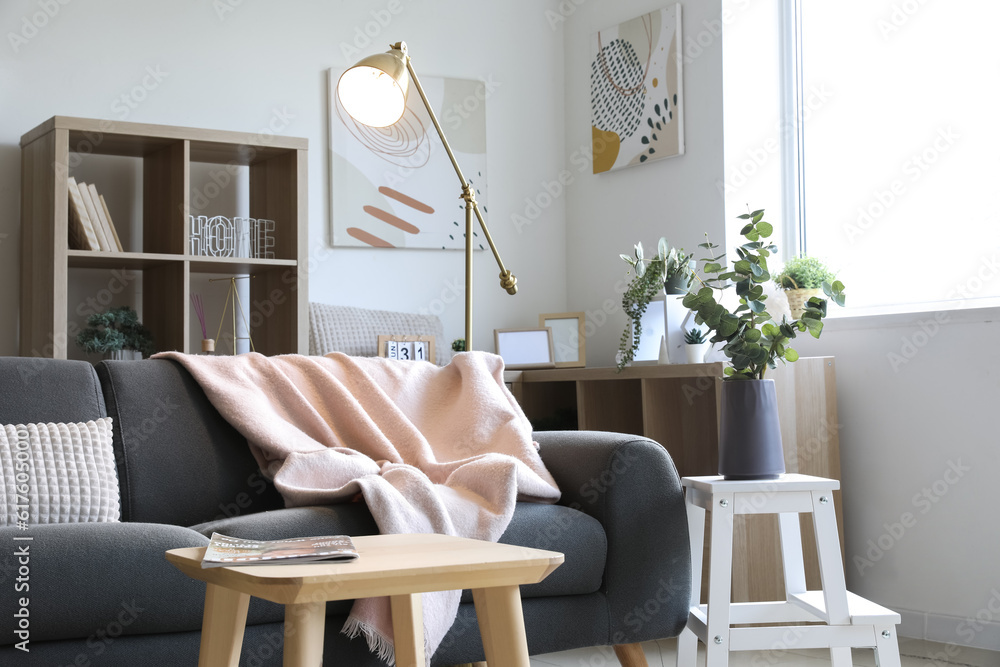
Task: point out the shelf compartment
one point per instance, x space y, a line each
610 405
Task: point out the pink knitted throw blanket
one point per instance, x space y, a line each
432 449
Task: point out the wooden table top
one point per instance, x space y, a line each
388 565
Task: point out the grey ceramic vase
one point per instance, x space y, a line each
749 433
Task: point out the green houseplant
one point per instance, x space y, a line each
114 332
750 437
802 278
670 266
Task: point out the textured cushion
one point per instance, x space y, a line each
355 331
58 473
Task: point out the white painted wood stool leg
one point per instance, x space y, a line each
687 642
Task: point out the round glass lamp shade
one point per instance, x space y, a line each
373 92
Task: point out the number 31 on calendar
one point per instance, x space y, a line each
406 348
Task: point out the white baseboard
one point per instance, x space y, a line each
982 632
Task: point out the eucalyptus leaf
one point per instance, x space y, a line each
791 355
765 229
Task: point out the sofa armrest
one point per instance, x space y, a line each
629 484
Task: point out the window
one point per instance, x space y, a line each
890 171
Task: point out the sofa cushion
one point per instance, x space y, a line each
179 461
38 391
554 527
57 473
100 580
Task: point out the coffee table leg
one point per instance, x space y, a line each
222 627
305 625
408 630
501 624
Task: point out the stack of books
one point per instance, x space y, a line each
90 226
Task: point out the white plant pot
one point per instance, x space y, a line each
696 353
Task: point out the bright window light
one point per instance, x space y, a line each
902 148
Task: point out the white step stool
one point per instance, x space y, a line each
850 620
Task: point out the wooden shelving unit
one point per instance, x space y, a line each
678 406
278 191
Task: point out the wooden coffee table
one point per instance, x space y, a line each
399 566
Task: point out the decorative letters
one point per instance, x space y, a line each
220 236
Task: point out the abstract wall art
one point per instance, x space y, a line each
635 91
394 187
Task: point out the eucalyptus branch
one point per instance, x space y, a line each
751 339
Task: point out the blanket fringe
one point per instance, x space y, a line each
378 643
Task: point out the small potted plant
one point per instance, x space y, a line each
802 278
696 345
670 265
749 433
117 334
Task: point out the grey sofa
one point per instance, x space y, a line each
103 593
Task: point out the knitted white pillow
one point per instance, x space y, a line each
58 473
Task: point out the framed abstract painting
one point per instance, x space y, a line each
635 91
394 187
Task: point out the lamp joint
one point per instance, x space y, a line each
468 194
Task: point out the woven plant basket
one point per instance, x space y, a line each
797 299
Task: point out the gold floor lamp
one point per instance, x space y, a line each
374 92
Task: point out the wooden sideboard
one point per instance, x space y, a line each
678 406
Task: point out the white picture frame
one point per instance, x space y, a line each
654 327
524 349
568 338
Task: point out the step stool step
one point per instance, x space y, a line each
862 611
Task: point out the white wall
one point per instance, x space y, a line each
264 64
918 398
677 197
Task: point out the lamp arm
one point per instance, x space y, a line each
507 279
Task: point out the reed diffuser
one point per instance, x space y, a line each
207 344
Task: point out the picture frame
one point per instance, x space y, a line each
406 347
569 341
654 326
524 349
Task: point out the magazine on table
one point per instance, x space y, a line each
225 551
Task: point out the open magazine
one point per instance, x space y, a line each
225 551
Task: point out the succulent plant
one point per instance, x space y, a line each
695 336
